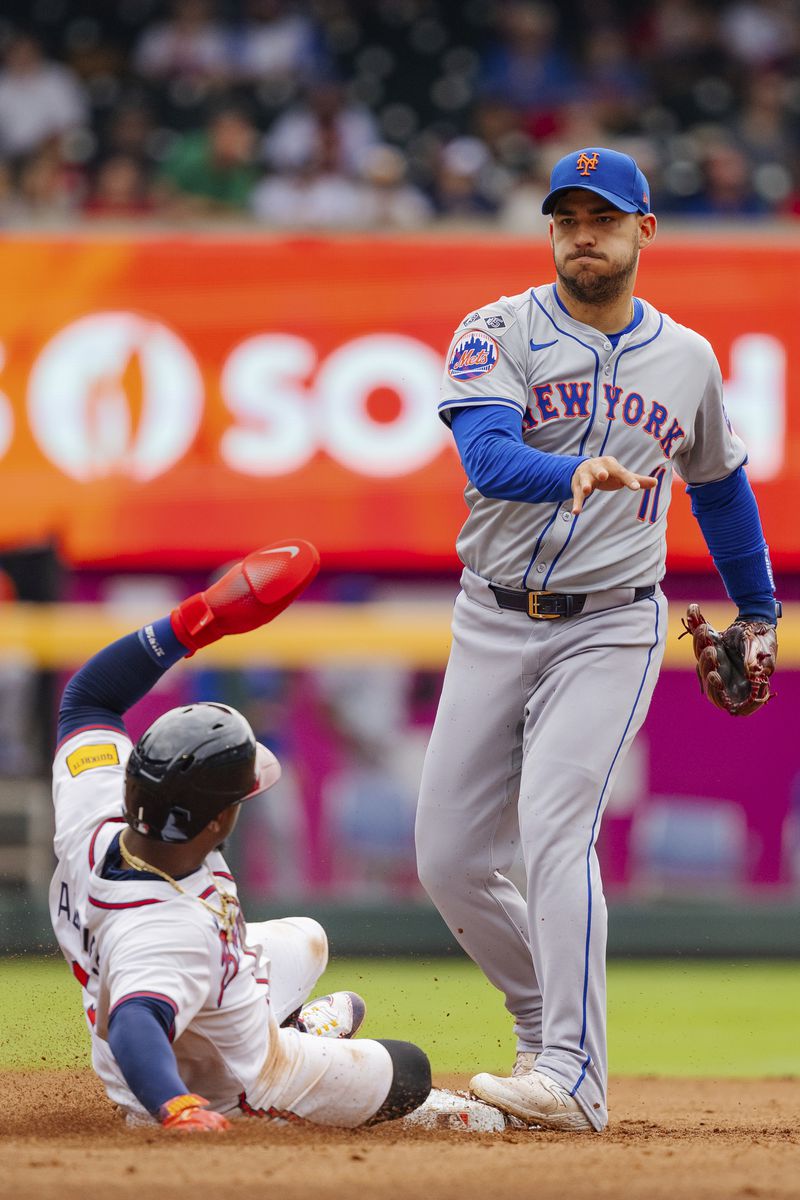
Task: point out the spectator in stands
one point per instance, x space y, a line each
612 81
727 189
760 33
525 66
790 205
462 187
680 32
119 189
211 172
497 124
130 130
324 125
522 207
48 192
763 129
190 47
389 201
679 41
541 76
315 195
40 101
278 45
9 204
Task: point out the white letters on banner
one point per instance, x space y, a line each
6 414
755 397
347 377
285 421
264 384
118 393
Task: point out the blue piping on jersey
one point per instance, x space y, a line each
572 529
462 401
443 409
601 451
586 346
590 847
627 350
538 544
584 439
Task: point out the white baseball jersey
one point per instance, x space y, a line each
141 938
654 402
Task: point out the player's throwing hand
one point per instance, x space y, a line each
604 475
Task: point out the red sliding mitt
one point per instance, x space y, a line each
247 596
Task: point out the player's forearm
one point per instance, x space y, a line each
138 1035
117 677
728 516
501 466
250 594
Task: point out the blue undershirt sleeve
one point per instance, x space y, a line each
115 678
139 1034
727 514
500 465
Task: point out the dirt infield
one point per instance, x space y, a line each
669 1139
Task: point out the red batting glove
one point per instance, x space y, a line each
252 593
191 1114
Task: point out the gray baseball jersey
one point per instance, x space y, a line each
654 402
536 716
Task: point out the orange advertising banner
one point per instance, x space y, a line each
174 401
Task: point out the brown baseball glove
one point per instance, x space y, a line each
734 667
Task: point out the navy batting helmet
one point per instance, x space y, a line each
190 765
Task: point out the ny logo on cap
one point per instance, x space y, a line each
585 164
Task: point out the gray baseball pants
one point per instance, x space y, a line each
534 721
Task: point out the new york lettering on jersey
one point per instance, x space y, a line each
653 400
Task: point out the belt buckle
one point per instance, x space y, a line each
533 608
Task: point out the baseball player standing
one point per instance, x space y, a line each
196 1016
570 404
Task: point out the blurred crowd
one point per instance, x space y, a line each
388 114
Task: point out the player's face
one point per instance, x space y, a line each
596 246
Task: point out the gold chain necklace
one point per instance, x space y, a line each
227 915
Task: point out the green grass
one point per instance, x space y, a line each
665 1018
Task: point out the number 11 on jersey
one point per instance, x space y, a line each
648 509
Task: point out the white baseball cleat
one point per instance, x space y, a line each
339 1015
456 1111
524 1063
533 1098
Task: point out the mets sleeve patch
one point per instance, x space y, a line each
474 354
86 758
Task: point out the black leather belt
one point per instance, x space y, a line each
548 606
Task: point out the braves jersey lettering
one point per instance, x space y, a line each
654 401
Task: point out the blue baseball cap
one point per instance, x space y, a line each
612 175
